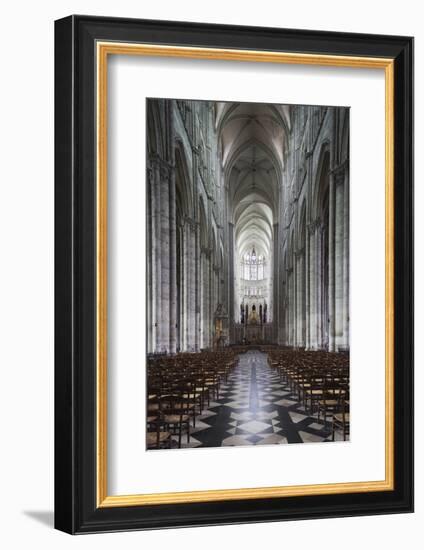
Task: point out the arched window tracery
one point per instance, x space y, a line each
252 266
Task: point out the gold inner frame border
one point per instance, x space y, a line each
103 50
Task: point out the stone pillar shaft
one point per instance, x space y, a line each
273 310
312 289
165 263
231 280
345 341
157 293
338 261
173 321
331 266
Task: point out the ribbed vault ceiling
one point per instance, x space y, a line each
253 138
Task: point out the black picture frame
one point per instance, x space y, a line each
76 509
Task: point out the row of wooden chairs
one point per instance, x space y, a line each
321 382
178 388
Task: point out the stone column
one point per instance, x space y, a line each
197 283
294 299
231 281
215 299
211 283
193 302
312 286
205 324
281 289
299 258
290 281
307 290
273 309
338 258
173 291
186 286
149 262
297 319
320 319
202 293
287 330
157 293
331 265
165 259
282 309
346 217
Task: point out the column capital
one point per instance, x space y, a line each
150 175
339 178
189 222
313 226
338 172
166 168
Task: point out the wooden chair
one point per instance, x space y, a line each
158 439
156 436
341 419
329 404
176 415
313 389
191 397
211 381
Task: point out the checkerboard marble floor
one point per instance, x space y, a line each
254 408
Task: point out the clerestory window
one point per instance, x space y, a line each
252 266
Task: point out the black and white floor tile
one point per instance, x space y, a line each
254 408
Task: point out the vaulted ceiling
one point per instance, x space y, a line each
253 139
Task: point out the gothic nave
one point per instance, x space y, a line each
247 273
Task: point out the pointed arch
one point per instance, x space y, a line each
155 133
344 145
183 185
203 224
322 181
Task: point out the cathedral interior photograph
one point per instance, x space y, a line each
247 274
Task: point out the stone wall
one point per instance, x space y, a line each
313 268
184 228
191 257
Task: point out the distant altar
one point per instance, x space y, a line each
253 331
253 328
253 318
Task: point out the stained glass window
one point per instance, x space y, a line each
252 266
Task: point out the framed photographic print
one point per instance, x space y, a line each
234 274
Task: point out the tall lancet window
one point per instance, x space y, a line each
252 266
261 274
